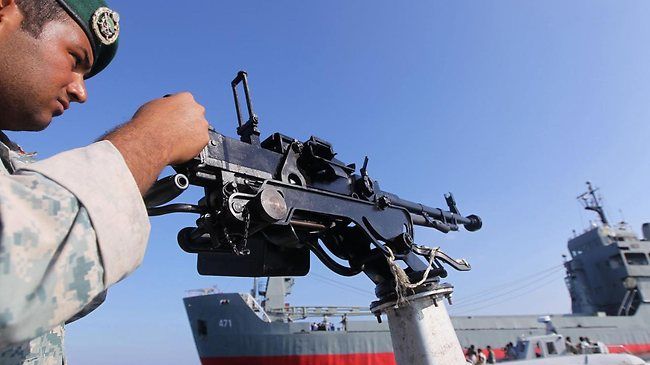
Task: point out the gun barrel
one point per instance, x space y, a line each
165 190
437 218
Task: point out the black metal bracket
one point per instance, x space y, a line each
248 131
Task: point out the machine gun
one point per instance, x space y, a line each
269 203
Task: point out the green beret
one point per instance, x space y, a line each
101 25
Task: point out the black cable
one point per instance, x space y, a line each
496 294
508 285
174 208
508 298
335 282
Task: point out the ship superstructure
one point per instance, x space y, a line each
608 277
609 271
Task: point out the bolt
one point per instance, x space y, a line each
237 207
449 299
297 147
383 202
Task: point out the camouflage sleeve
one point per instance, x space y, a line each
71 226
46 349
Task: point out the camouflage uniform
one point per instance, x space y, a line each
70 226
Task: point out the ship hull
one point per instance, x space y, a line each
386 358
227 331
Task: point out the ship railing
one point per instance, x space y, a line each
626 303
255 307
302 312
201 292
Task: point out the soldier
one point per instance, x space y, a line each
491 357
74 224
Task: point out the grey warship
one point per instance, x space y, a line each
607 276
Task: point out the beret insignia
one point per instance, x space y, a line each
106 25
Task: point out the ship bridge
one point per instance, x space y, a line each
609 270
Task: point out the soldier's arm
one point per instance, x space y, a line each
163 132
74 224
71 226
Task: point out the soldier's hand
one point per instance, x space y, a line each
177 122
165 131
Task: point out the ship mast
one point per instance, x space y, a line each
255 288
592 202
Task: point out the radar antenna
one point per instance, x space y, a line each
592 202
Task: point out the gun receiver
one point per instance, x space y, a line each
268 204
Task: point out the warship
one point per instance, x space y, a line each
607 276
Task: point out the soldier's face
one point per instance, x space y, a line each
40 77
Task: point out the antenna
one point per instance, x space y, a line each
592 202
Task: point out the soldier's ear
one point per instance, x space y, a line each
10 14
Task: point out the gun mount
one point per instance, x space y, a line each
268 204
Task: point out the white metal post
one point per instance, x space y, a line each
421 330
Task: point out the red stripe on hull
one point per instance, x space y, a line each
500 354
383 358
635 348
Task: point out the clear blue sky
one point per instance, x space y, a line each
511 105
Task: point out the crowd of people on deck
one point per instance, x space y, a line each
323 326
479 356
583 346
487 356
